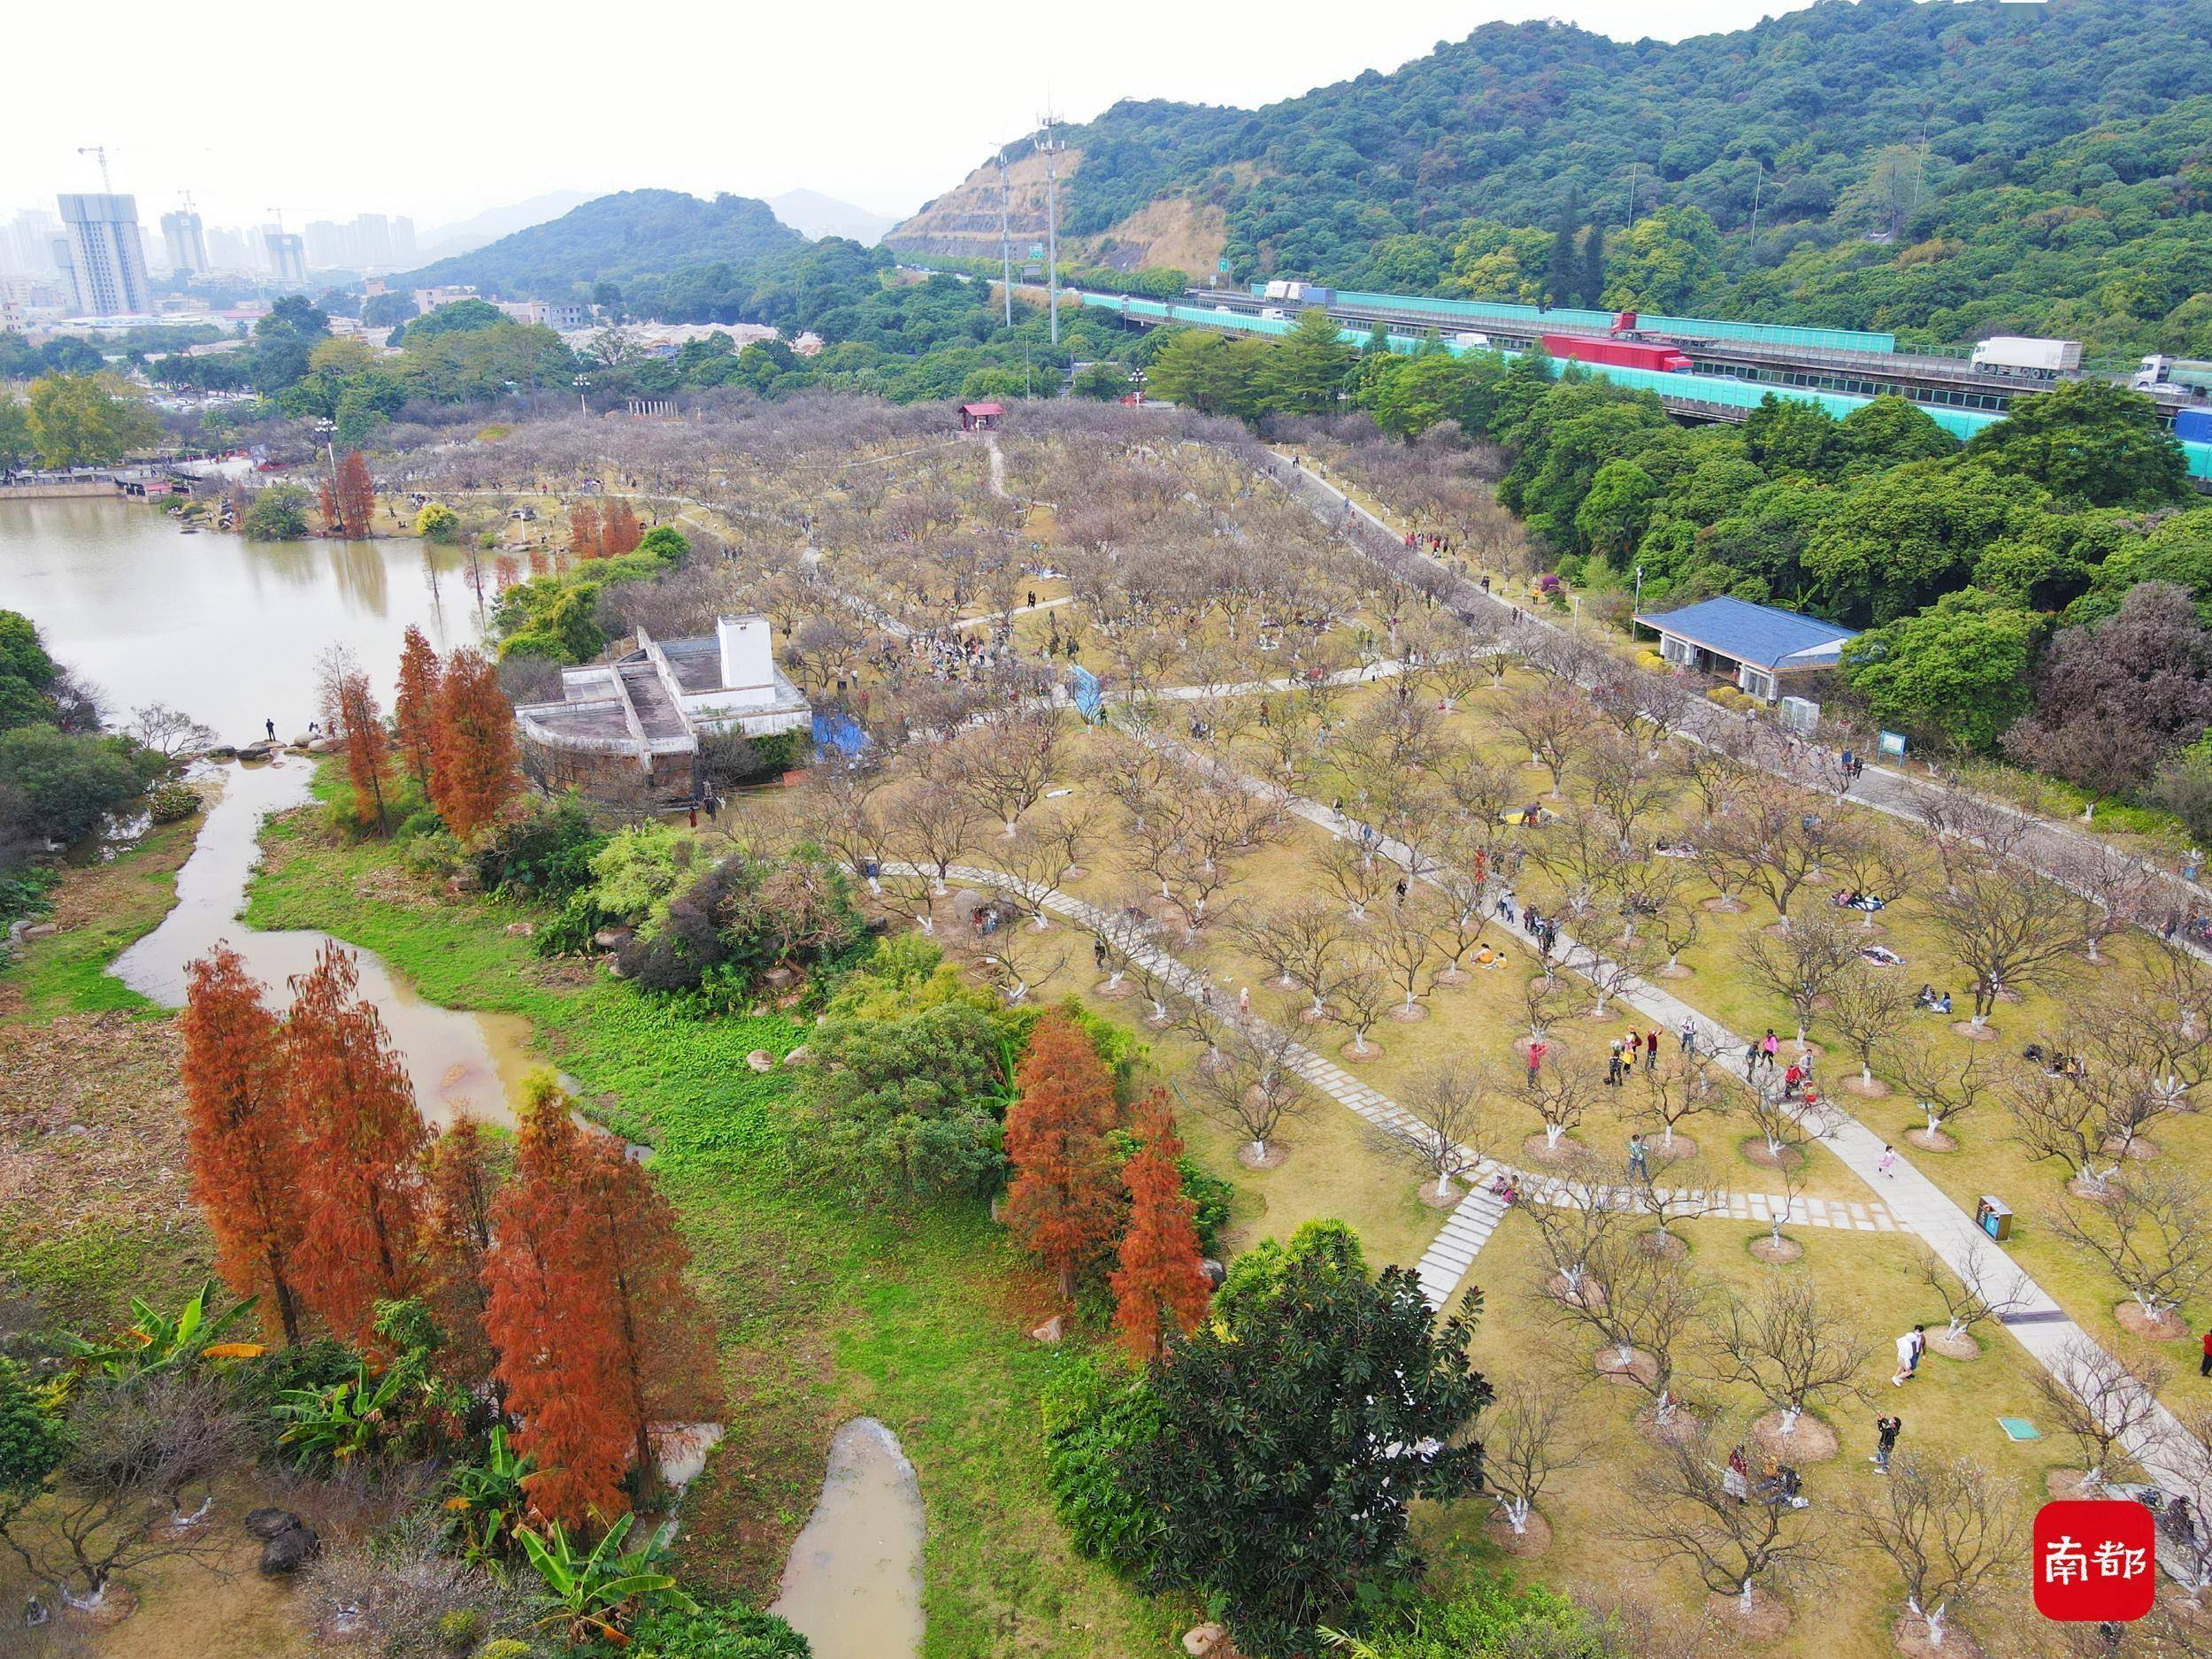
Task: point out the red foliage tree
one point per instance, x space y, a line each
351 712
244 1140
415 712
1161 1283
362 1174
597 1336
326 499
464 1189
356 495
473 774
1063 1202
618 530
585 536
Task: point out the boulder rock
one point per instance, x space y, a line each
800 1055
760 1060
42 930
612 937
1050 1331
1203 1641
289 1550
778 978
221 751
302 740
266 1523
521 930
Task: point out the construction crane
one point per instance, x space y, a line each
101 151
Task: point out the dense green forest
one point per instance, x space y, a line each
637 238
1945 171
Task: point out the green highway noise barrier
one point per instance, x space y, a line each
1716 391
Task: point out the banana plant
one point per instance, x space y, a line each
597 1593
486 1501
157 1342
334 1424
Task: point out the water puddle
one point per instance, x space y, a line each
853 1585
460 1061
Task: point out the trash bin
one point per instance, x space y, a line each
1994 1218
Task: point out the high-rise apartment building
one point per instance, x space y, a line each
228 249
186 239
287 257
105 254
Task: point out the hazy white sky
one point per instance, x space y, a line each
441 110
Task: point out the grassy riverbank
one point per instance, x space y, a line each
823 1312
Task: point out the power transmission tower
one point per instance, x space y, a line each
1051 147
1005 242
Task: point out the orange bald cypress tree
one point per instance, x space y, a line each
243 1138
473 772
360 723
618 531
551 1318
361 1177
356 495
585 536
1064 1201
1161 1283
415 711
464 1189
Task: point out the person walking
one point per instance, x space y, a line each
1535 1061
1689 1036
1910 1347
1769 1046
1244 999
1651 1052
1886 1164
1886 1432
1634 1042
1613 1065
1638 1157
2204 1366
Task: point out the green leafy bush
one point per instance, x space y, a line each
278 514
1091 1416
546 853
173 803
717 1633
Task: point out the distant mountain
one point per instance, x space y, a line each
1947 171
636 234
815 216
444 241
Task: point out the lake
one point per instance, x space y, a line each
229 631
225 629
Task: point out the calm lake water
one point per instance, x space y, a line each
225 629
229 631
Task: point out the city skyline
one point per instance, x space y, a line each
788 131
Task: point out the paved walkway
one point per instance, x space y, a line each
2050 849
1916 1203
1474 1219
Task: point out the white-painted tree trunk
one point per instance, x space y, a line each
1515 1512
1552 1132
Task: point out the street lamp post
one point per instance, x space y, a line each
581 382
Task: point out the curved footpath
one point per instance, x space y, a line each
1916 1204
2049 848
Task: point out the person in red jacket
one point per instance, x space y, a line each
2204 1369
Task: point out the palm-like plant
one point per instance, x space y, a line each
486 1501
334 1424
156 1342
596 1594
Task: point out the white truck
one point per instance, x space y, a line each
1279 289
1472 342
2015 354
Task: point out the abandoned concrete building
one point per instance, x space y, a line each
641 717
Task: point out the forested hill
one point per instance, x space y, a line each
638 237
1944 170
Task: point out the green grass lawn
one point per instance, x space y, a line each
823 1312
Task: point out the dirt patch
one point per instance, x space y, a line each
1662 1247
1756 1150
1523 1545
1910 1633
1774 1252
1867 1089
1725 906
1641 1371
1768 1621
1663 1152
1931 1141
1680 1427
1412 1016
1961 1348
1360 1053
1565 1154
1972 1033
2067 1485
1113 992
1275 1154
1436 1200
2166 1328
1812 1441
1590 1294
